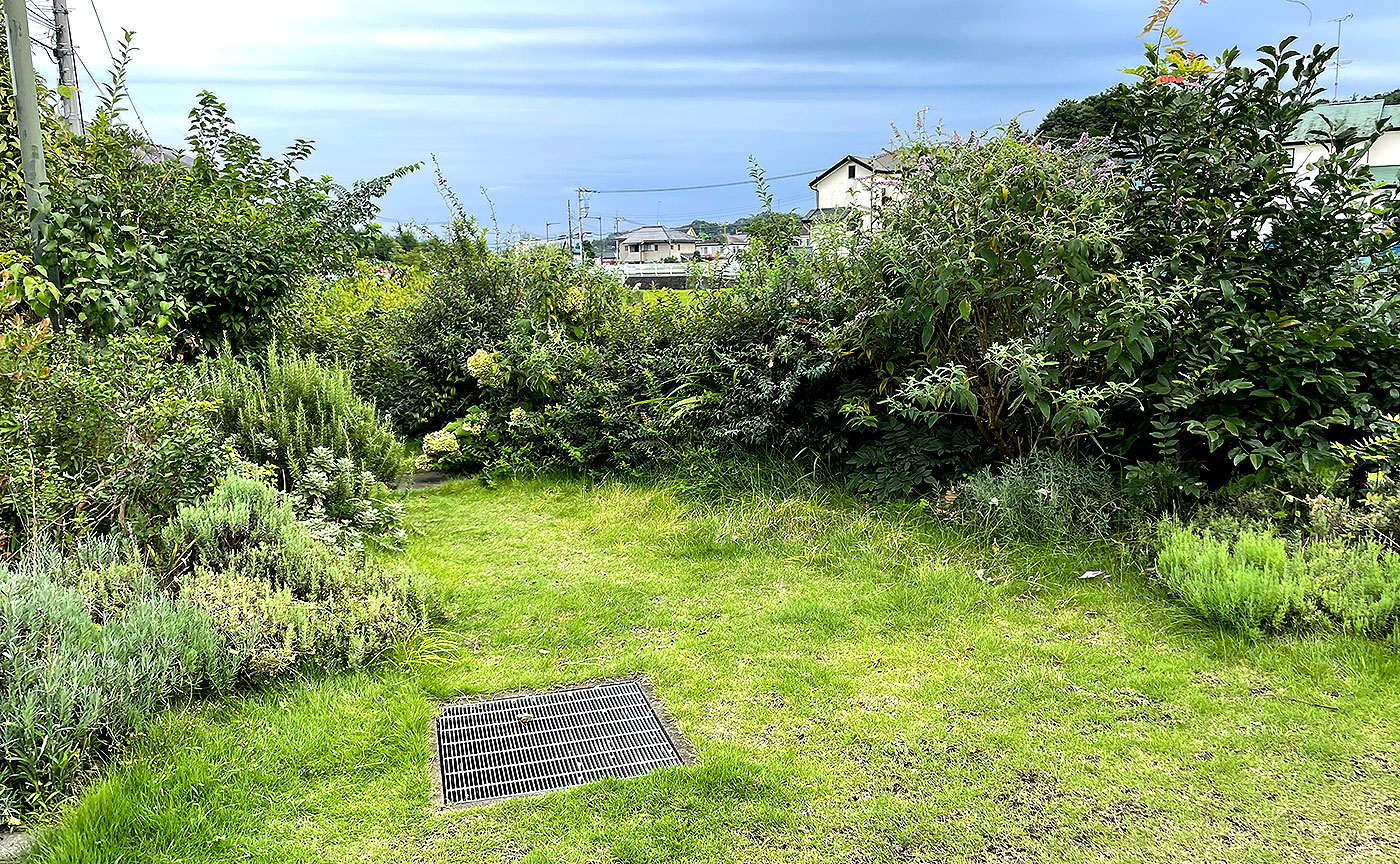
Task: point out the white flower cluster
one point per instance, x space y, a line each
483 367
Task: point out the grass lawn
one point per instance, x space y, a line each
854 690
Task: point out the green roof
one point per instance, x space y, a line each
1361 116
1387 174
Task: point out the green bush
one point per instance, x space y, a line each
1044 496
344 507
93 640
279 407
351 321
1258 582
278 594
993 292
1281 341
97 437
72 687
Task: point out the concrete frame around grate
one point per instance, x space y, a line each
668 726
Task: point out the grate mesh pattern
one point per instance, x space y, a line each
537 742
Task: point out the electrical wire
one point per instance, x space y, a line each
100 28
39 16
111 56
724 215
702 186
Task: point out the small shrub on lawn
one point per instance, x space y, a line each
345 507
282 407
1044 496
277 593
72 687
1258 582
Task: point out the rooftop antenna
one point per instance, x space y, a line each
1338 63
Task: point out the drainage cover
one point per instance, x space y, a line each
507 746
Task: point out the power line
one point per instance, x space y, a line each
702 186
100 28
112 57
725 214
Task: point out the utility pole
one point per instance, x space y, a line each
546 231
31 138
582 214
569 208
67 67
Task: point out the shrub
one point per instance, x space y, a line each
94 437
351 321
1285 342
1258 582
345 507
281 407
71 688
279 595
993 293
1044 496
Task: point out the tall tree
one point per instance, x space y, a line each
1070 119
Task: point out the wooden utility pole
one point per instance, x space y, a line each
67 67
31 136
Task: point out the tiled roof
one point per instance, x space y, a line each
1360 116
824 212
659 234
1387 174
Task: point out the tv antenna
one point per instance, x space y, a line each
1338 63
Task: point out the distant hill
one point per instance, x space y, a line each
713 230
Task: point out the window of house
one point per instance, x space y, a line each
850 172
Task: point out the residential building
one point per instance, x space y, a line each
723 247
656 243
854 182
1383 157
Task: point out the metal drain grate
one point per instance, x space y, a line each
508 746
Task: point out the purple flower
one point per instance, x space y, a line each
1081 143
1015 169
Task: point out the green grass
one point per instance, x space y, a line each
854 691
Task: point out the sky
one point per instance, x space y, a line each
532 100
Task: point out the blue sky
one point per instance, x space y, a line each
533 99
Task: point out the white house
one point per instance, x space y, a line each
1383 157
725 247
656 243
852 183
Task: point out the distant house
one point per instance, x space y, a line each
656 243
724 247
536 242
852 183
1383 157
